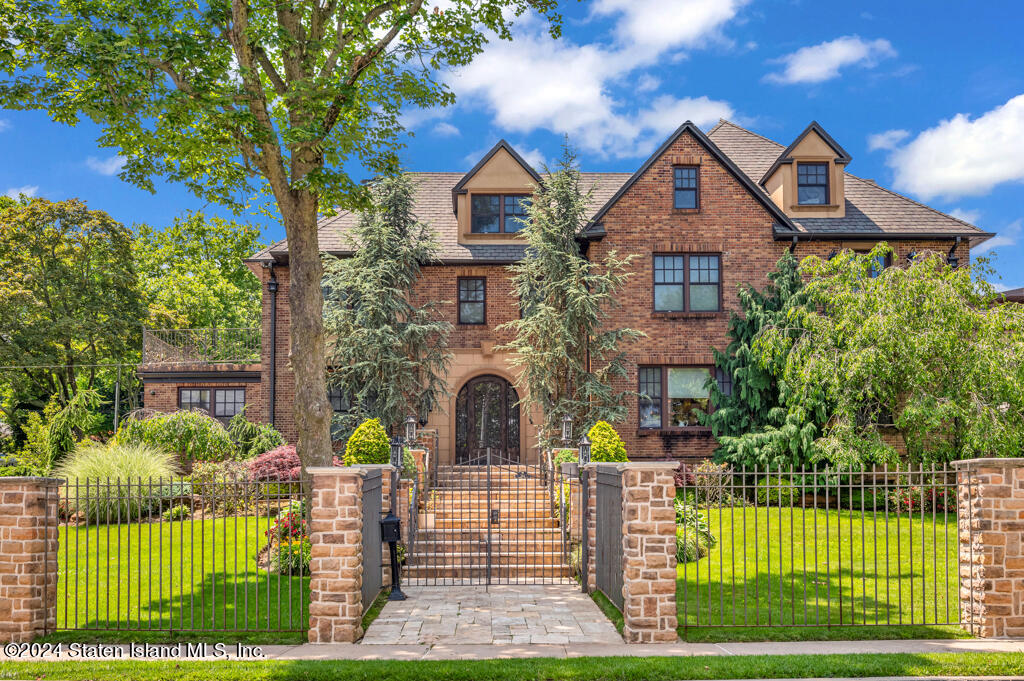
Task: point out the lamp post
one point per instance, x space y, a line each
410 429
584 450
390 525
567 429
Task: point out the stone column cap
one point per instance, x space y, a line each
636 465
37 479
991 462
361 470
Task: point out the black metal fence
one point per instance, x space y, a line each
608 545
183 555
817 548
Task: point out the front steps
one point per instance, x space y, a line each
456 527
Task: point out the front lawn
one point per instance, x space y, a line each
188 579
807 574
575 669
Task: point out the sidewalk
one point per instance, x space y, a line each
360 651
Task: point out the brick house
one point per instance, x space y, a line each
705 213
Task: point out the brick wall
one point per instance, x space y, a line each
439 283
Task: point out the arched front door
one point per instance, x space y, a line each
487 417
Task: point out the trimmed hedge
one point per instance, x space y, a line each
368 444
605 443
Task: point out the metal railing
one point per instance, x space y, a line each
200 346
182 555
817 548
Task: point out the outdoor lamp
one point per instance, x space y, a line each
584 450
410 429
567 429
396 452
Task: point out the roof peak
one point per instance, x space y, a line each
459 188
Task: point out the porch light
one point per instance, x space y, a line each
567 429
396 453
584 450
410 429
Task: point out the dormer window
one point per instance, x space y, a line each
497 213
812 184
686 187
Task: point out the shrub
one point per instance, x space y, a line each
192 435
368 444
11 466
290 556
408 464
693 535
605 443
92 469
252 439
773 490
707 484
179 512
560 456
224 486
290 523
281 463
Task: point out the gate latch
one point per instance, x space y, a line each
495 516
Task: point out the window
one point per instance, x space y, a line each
673 397
227 403
190 398
497 213
472 300
812 184
340 402
687 283
724 381
879 263
687 190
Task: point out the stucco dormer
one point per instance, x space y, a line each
807 179
488 198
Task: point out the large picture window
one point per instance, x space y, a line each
675 397
687 283
497 213
812 184
472 300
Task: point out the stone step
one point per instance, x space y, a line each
476 572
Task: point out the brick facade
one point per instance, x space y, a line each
991 526
28 558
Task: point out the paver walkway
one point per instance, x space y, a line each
501 614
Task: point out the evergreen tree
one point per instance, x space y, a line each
754 423
387 355
569 356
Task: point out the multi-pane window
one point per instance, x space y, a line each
812 184
472 300
879 263
497 213
194 398
687 283
686 182
339 400
724 380
228 402
675 397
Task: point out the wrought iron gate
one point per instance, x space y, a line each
491 520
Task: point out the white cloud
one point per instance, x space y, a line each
1008 236
535 157
444 129
887 140
565 87
106 166
818 63
27 190
966 214
4 124
964 157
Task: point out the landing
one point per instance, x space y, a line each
502 614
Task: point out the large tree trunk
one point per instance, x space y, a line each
312 408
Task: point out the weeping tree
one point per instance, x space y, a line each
569 355
388 356
236 98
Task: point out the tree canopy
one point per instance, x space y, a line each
921 353
569 354
192 273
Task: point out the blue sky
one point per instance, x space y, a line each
928 98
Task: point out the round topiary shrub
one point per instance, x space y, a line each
605 443
368 444
773 490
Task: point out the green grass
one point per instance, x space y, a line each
166 578
761 574
610 610
576 669
378 604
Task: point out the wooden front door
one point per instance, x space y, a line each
487 417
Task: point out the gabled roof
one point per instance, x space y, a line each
594 228
786 155
459 187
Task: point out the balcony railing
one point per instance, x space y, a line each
200 346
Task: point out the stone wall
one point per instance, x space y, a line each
991 528
28 558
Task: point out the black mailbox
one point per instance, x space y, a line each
390 528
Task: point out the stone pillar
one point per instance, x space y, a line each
990 513
590 526
336 555
649 552
28 557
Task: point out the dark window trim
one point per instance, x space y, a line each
696 207
213 399
209 399
664 399
501 212
828 182
459 301
686 284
